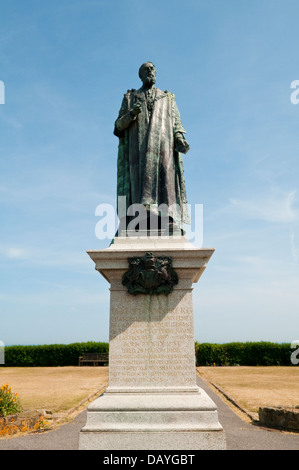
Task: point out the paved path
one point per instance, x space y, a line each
239 435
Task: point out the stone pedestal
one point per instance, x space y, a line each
152 401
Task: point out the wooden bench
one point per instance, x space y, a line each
94 358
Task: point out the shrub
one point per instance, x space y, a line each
210 354
51 355
9 402
262 353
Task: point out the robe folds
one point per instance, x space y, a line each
149 169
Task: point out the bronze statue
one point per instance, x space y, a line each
151 140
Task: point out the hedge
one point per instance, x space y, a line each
51 355
261 353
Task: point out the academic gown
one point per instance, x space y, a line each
149 169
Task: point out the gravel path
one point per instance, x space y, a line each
239 434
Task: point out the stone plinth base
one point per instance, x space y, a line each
152 421
180 440
152 401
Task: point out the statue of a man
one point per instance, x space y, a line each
151 140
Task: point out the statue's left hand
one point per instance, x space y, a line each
181 144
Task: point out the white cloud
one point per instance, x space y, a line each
16 253
278 208
62 296
45 257
293 247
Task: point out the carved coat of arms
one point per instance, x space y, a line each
150 275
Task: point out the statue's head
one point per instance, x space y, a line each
147 73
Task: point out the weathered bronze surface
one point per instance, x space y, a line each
150 275
151 139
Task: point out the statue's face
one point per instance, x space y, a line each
148 74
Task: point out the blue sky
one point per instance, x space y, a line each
65 66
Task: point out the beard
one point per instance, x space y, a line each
150 80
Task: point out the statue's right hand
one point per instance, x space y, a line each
136 109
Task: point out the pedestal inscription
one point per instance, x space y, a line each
151 341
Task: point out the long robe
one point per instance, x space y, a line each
149 169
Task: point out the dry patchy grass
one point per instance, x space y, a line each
252 387
60 389
57 389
